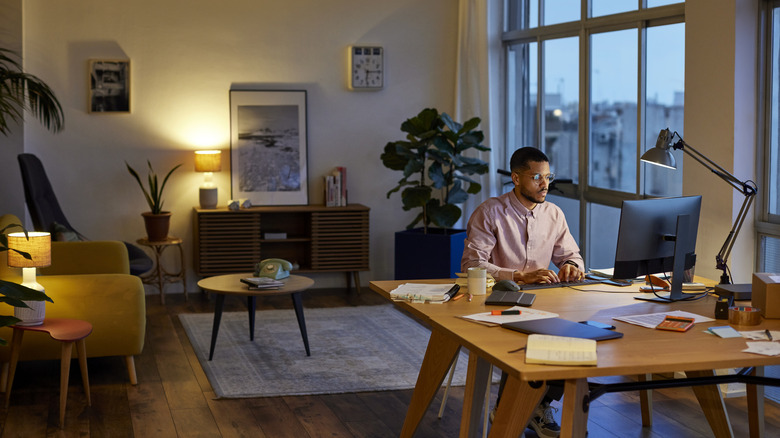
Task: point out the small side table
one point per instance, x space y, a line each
66 331
159 275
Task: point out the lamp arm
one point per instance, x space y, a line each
747 188
713 167
721 258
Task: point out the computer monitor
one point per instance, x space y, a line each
658 236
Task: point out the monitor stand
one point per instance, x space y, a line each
678 269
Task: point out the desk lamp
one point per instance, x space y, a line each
208 162
661 155
38 246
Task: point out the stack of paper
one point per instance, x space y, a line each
420 292
560 350
255 283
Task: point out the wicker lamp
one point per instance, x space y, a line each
38 246
208 162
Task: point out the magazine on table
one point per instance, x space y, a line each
262 283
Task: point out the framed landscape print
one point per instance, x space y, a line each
268 149
109 86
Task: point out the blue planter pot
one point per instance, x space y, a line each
436 254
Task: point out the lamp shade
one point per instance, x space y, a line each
660 157
208 161
38 246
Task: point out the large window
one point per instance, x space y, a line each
592 84
768 225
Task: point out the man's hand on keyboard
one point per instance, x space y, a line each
570 273
538 276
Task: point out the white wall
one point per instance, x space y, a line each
186 55
720 122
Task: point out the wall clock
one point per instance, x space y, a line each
366 68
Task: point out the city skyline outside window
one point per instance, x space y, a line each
544 103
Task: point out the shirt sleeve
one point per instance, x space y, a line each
479 244
566 248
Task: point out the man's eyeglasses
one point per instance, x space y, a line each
537 177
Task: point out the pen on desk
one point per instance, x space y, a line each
768 335
458 297
504 312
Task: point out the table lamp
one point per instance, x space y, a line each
208 162
661 155
38 246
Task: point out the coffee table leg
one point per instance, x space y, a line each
251 304
298 304
218 304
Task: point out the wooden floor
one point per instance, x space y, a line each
174 398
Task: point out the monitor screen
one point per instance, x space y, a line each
658 236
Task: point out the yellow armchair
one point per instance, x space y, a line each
89 281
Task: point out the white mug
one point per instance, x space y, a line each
477 281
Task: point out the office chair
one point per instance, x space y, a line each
47 215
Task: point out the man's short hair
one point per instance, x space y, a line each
522 156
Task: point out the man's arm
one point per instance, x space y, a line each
479 245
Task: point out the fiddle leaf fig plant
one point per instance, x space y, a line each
436 174
12 293
154 194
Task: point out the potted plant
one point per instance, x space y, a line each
15 294
20 91
156 220
436 178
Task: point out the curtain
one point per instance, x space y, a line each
478 90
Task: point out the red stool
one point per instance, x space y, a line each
66 331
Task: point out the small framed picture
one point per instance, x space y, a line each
268 157
109 86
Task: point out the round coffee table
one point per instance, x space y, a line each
230 284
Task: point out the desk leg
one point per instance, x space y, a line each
439 356
478 378
16 346
251 305
218 304
646 401
574 418
518 401
755 400
298 304
711 403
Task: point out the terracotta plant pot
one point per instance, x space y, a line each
157 225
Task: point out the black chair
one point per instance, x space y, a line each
47 215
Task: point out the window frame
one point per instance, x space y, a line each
640 20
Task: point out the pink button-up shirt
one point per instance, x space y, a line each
504 236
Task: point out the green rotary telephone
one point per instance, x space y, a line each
273 268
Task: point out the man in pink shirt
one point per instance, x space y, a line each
516 236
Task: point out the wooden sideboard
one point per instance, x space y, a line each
316 238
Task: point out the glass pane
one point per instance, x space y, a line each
522 82
770 254
613 111
654 3
773 194
665 96
608 7
561 106
561 11
603 223
571 209
522 14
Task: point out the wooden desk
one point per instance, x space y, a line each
641 351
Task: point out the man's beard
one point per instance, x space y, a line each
537 197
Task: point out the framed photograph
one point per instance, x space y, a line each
268 150
109 86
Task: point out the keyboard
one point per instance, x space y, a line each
534 286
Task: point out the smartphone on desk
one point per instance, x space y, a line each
598 324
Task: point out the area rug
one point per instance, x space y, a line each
353 349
